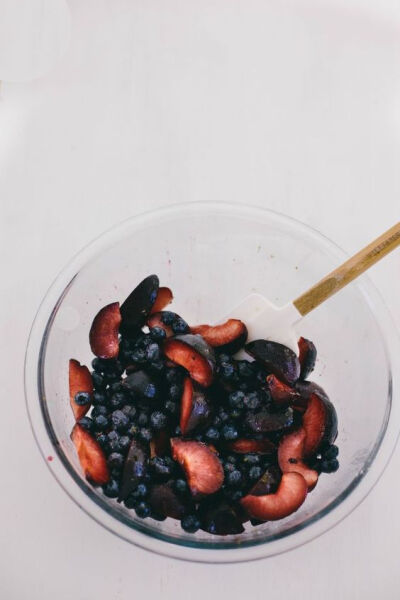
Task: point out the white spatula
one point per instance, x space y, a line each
266 320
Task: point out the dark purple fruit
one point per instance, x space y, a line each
265 421
194 354
135 469
277 358
138 305
268 483
320 424
165 501
228 337
143 386
220 518
307 357
195 407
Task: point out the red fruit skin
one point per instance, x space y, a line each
230 336
307 357
243 446
163 298
186 404
200 369
155 321
103 334
290 457
281 393
91 456
80 380
319 423
291 493
203 468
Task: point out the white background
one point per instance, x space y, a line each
292 105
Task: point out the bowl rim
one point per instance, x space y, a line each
311 528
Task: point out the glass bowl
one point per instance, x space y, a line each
213 255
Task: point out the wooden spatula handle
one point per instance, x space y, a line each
349 270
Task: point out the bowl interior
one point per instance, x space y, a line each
212 258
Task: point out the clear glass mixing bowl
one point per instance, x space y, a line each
212 255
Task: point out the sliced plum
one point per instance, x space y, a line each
291 454
194 354
220 518
320 424
288 498
91 456
80 380
203 468
165 502
228 337
195 408
186 404
135 469
159 444
268 483
277 358
143 386
103 335
245 446
164 297
307 357
264 421
137 306
281 393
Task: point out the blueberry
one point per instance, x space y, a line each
116 387
129 411
82 398
229 467
130 501
153 352
252 401
229 432
142 509
212 434
224 358
99 398
98 381
330 466
97 365
251 459
181 486
236 399
100 409
150 391
117 400
227 371
145 434
175 392
140 492
179 326
124 442
157 334
119 420
158 420
113 436
217 421
234 478
102 440
223 415
167 317
231 458
137 356
113 441
331 452
172 407
86 423
115 460
111 489
157 517
190 523
101 423
162 467
143 419
255 472
244 369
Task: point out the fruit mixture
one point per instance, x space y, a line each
180 428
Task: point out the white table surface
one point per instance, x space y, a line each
289 105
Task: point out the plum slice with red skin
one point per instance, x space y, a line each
307 357
288 498
135 468
136 308
245 446
80 380
186 404
195 408
319 423
164 297
194 354
277 358
202 467
165 502
281 393
104 331
227 337
91 456
291 454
